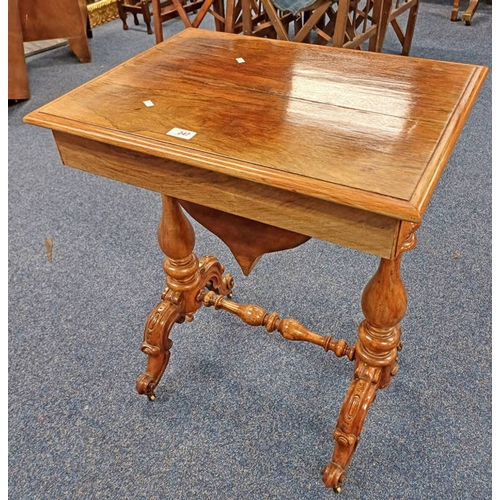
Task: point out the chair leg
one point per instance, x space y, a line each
218 8
410 28
471 9
122 14
157 21
230 16
454 10
382 12
146 15
341 23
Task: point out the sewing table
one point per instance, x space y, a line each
269 143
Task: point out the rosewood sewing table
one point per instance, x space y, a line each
268 143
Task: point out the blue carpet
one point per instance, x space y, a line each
240 414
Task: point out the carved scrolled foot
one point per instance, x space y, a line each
333 476
359 397
156 343
146 385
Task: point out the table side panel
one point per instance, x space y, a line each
365 231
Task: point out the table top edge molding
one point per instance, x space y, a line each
336 193
437 163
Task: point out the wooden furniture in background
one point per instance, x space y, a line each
401 15
340 23
42 20
36 21
101 12
192 13
341 145
354 24
135 7
320 21
18 72
468 14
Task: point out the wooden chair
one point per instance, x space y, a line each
340 23
135 7
359 21
192 13
467 15
236 16
354 24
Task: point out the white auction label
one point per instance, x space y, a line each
240 60
148 103
181 133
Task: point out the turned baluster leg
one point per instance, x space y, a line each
384 305
176 239
186 280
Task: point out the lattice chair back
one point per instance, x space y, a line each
240 18
192 13
341 23
401 15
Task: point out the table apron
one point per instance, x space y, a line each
362 230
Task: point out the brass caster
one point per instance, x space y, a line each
333 476
229 295
151 397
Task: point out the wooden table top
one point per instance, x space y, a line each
366 130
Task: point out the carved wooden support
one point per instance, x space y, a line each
375 353
360 395
156 343
384 304
186 280
290 329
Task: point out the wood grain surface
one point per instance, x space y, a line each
366 130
